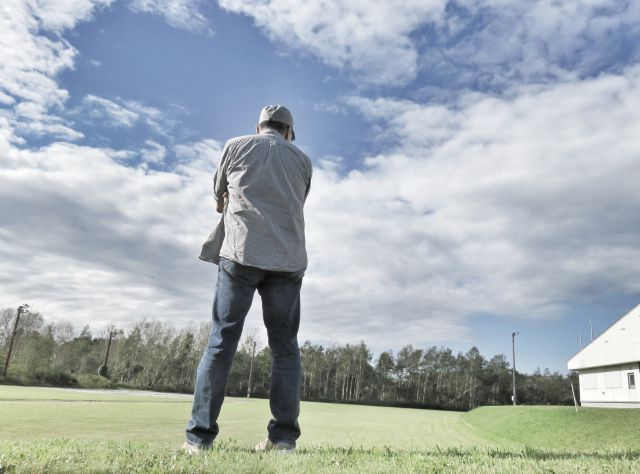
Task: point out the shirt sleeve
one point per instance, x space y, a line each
306 193
220 182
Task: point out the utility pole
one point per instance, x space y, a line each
21 309
253 353
513 347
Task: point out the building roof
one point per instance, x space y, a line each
619 344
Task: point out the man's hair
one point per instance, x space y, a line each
277 126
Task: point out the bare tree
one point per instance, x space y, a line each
7 318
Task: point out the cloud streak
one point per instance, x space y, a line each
184 14
123 113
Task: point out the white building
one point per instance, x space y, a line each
609 367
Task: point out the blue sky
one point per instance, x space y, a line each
211 84
476 162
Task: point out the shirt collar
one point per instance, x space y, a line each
274 133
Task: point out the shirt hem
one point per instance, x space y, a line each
262 266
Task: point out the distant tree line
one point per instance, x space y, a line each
155 355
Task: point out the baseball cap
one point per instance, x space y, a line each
277 113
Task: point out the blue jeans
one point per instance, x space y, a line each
280 293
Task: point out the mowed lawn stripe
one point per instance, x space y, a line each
558 427
366 426
15 392
151 418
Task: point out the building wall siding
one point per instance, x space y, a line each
608 386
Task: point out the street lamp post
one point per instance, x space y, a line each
21 309
513 347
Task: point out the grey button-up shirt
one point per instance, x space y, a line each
268 181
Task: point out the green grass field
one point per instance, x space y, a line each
64 430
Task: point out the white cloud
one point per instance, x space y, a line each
512 207
506 206
331 163
201 155
185 14
370 38
153 152
124 113
31 59
493 43
476 43
91 240
59 15
33 119
83 235
331 108
6 99
115 114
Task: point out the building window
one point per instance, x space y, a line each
631 378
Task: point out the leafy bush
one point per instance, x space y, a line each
55 377
94 381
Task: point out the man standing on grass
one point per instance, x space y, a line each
261 186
